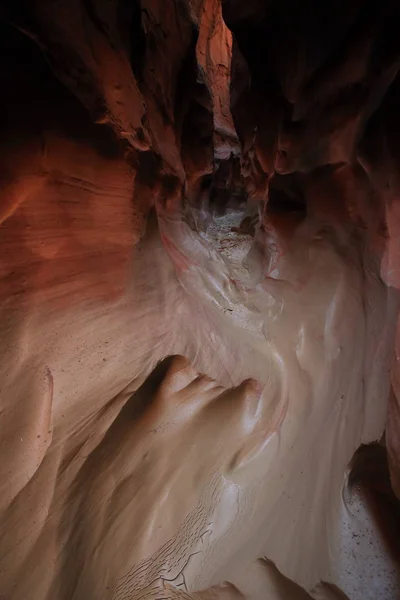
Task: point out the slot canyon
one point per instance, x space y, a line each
199 300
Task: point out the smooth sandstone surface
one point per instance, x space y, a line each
198 308
127 475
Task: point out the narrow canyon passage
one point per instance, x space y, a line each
199 300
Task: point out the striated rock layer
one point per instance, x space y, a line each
198 302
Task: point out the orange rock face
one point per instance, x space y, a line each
217 179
